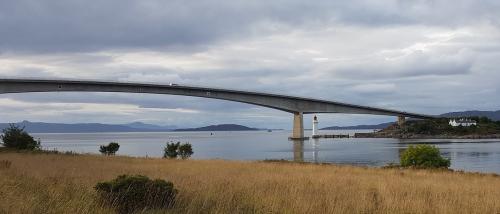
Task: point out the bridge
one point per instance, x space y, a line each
298 106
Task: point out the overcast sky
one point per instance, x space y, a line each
423 56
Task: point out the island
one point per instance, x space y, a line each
440 128
220 127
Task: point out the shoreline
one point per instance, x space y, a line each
391 165
426 137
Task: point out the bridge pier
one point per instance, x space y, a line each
298 127
401 120
298 151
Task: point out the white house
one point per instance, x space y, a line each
462 122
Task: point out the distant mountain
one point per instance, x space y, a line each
140 125
377 126
494 115
40 127
221 127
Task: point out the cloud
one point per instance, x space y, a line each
174 25
417 63
375 88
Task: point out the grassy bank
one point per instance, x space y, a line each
57 183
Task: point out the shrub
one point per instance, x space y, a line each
423 156
185 150
129 193
173 150
16 137
110 149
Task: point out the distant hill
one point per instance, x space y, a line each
221 127
377 126
494 115
140 125
40 127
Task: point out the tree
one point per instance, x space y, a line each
484 120
185 150
423 156
171 151
110 149
16 137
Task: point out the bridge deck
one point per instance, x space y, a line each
293 104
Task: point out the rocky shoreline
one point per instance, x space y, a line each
420 136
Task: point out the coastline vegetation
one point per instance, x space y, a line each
58 183
110 149
16 137
485 126
424 157
439 128
173 150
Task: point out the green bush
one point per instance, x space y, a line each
15 137
129 193
423 156
110 149
185 151
173 150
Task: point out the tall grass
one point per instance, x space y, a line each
55 183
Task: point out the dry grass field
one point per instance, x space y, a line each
50 183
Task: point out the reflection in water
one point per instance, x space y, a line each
472 154
315 149
298 150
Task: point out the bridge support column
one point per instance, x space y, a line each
298 151
298 127
401 120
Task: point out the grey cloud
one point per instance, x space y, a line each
174 25
415 64
82 26
25 71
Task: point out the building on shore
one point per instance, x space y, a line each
462 122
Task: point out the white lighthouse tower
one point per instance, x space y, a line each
315 126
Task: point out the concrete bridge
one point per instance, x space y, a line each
292 104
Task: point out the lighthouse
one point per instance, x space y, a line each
315 126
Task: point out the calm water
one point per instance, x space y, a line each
468 155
